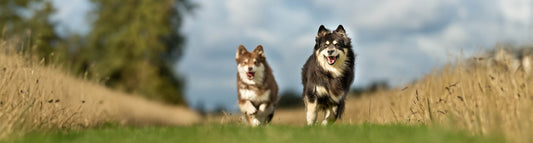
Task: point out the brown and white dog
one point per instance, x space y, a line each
256 87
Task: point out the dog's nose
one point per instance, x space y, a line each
250 68
330 51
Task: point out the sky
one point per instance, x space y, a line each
395 40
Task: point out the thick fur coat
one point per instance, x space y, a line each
256 87
327 75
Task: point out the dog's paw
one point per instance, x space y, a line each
255 122
262 107
325 122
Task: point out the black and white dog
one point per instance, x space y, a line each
327 75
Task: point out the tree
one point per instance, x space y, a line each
44 38
290 99
11 21
134 44
29 21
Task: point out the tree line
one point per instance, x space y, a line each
132 45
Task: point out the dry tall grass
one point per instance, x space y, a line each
479 99
476 95
35 97
489 95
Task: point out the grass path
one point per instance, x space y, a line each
235 133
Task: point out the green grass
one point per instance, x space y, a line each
364 133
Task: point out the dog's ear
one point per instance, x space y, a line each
259 50
340 30
240 51
322 31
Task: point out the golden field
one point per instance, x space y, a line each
36 97
489 94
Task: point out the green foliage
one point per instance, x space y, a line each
133 46
10 20
371 88
269 134
43 35
28 20
290 99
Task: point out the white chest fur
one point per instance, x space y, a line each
321 91
253 96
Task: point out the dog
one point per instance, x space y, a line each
256 86
327 75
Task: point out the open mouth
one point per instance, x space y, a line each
250 75
331 59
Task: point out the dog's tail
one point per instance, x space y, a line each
340 109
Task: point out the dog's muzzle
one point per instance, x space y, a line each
331 59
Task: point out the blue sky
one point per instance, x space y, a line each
395 40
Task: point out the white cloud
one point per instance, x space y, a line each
245 13
516 11
265 35
396 40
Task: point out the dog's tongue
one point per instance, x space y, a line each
250 74
331 59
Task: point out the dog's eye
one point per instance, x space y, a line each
255 62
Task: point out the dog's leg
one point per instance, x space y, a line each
251 119
245 119
269 117
331 115
312 109
262 107
269 113
249 111
261 113
340 109
326 116
254 121
247 107
265 113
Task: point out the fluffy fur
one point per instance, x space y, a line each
328 74
256 87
